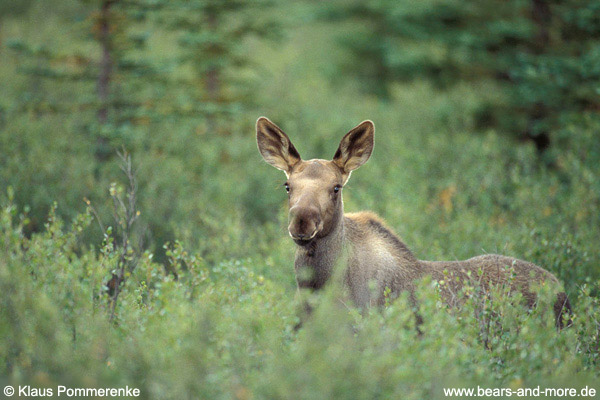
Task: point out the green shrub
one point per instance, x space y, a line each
222 330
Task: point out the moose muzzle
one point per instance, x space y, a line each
304 224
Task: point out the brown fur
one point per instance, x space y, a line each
375 257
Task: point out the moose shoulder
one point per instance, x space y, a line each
376 259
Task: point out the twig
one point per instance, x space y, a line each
125 222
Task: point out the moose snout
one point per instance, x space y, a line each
305 223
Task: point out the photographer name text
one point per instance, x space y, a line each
64 391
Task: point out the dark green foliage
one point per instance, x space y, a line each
541 55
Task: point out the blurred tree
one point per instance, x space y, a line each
213 35
147 75
543 54
79 82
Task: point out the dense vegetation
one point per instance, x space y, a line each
541 55
168 268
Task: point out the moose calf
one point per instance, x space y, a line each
376 257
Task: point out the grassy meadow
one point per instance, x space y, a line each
208 305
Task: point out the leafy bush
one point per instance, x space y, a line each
223 331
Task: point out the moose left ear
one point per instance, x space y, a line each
275 146
355 148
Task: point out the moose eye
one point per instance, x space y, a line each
287 187
336 188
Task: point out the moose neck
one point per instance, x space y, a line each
315 262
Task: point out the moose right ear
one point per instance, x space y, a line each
275 146
355 148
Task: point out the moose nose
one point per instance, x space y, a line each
304 222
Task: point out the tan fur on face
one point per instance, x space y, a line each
312 185
375 257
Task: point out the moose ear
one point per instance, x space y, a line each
355 148
275 146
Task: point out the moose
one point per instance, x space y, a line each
377 263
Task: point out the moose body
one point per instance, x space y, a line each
374 257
